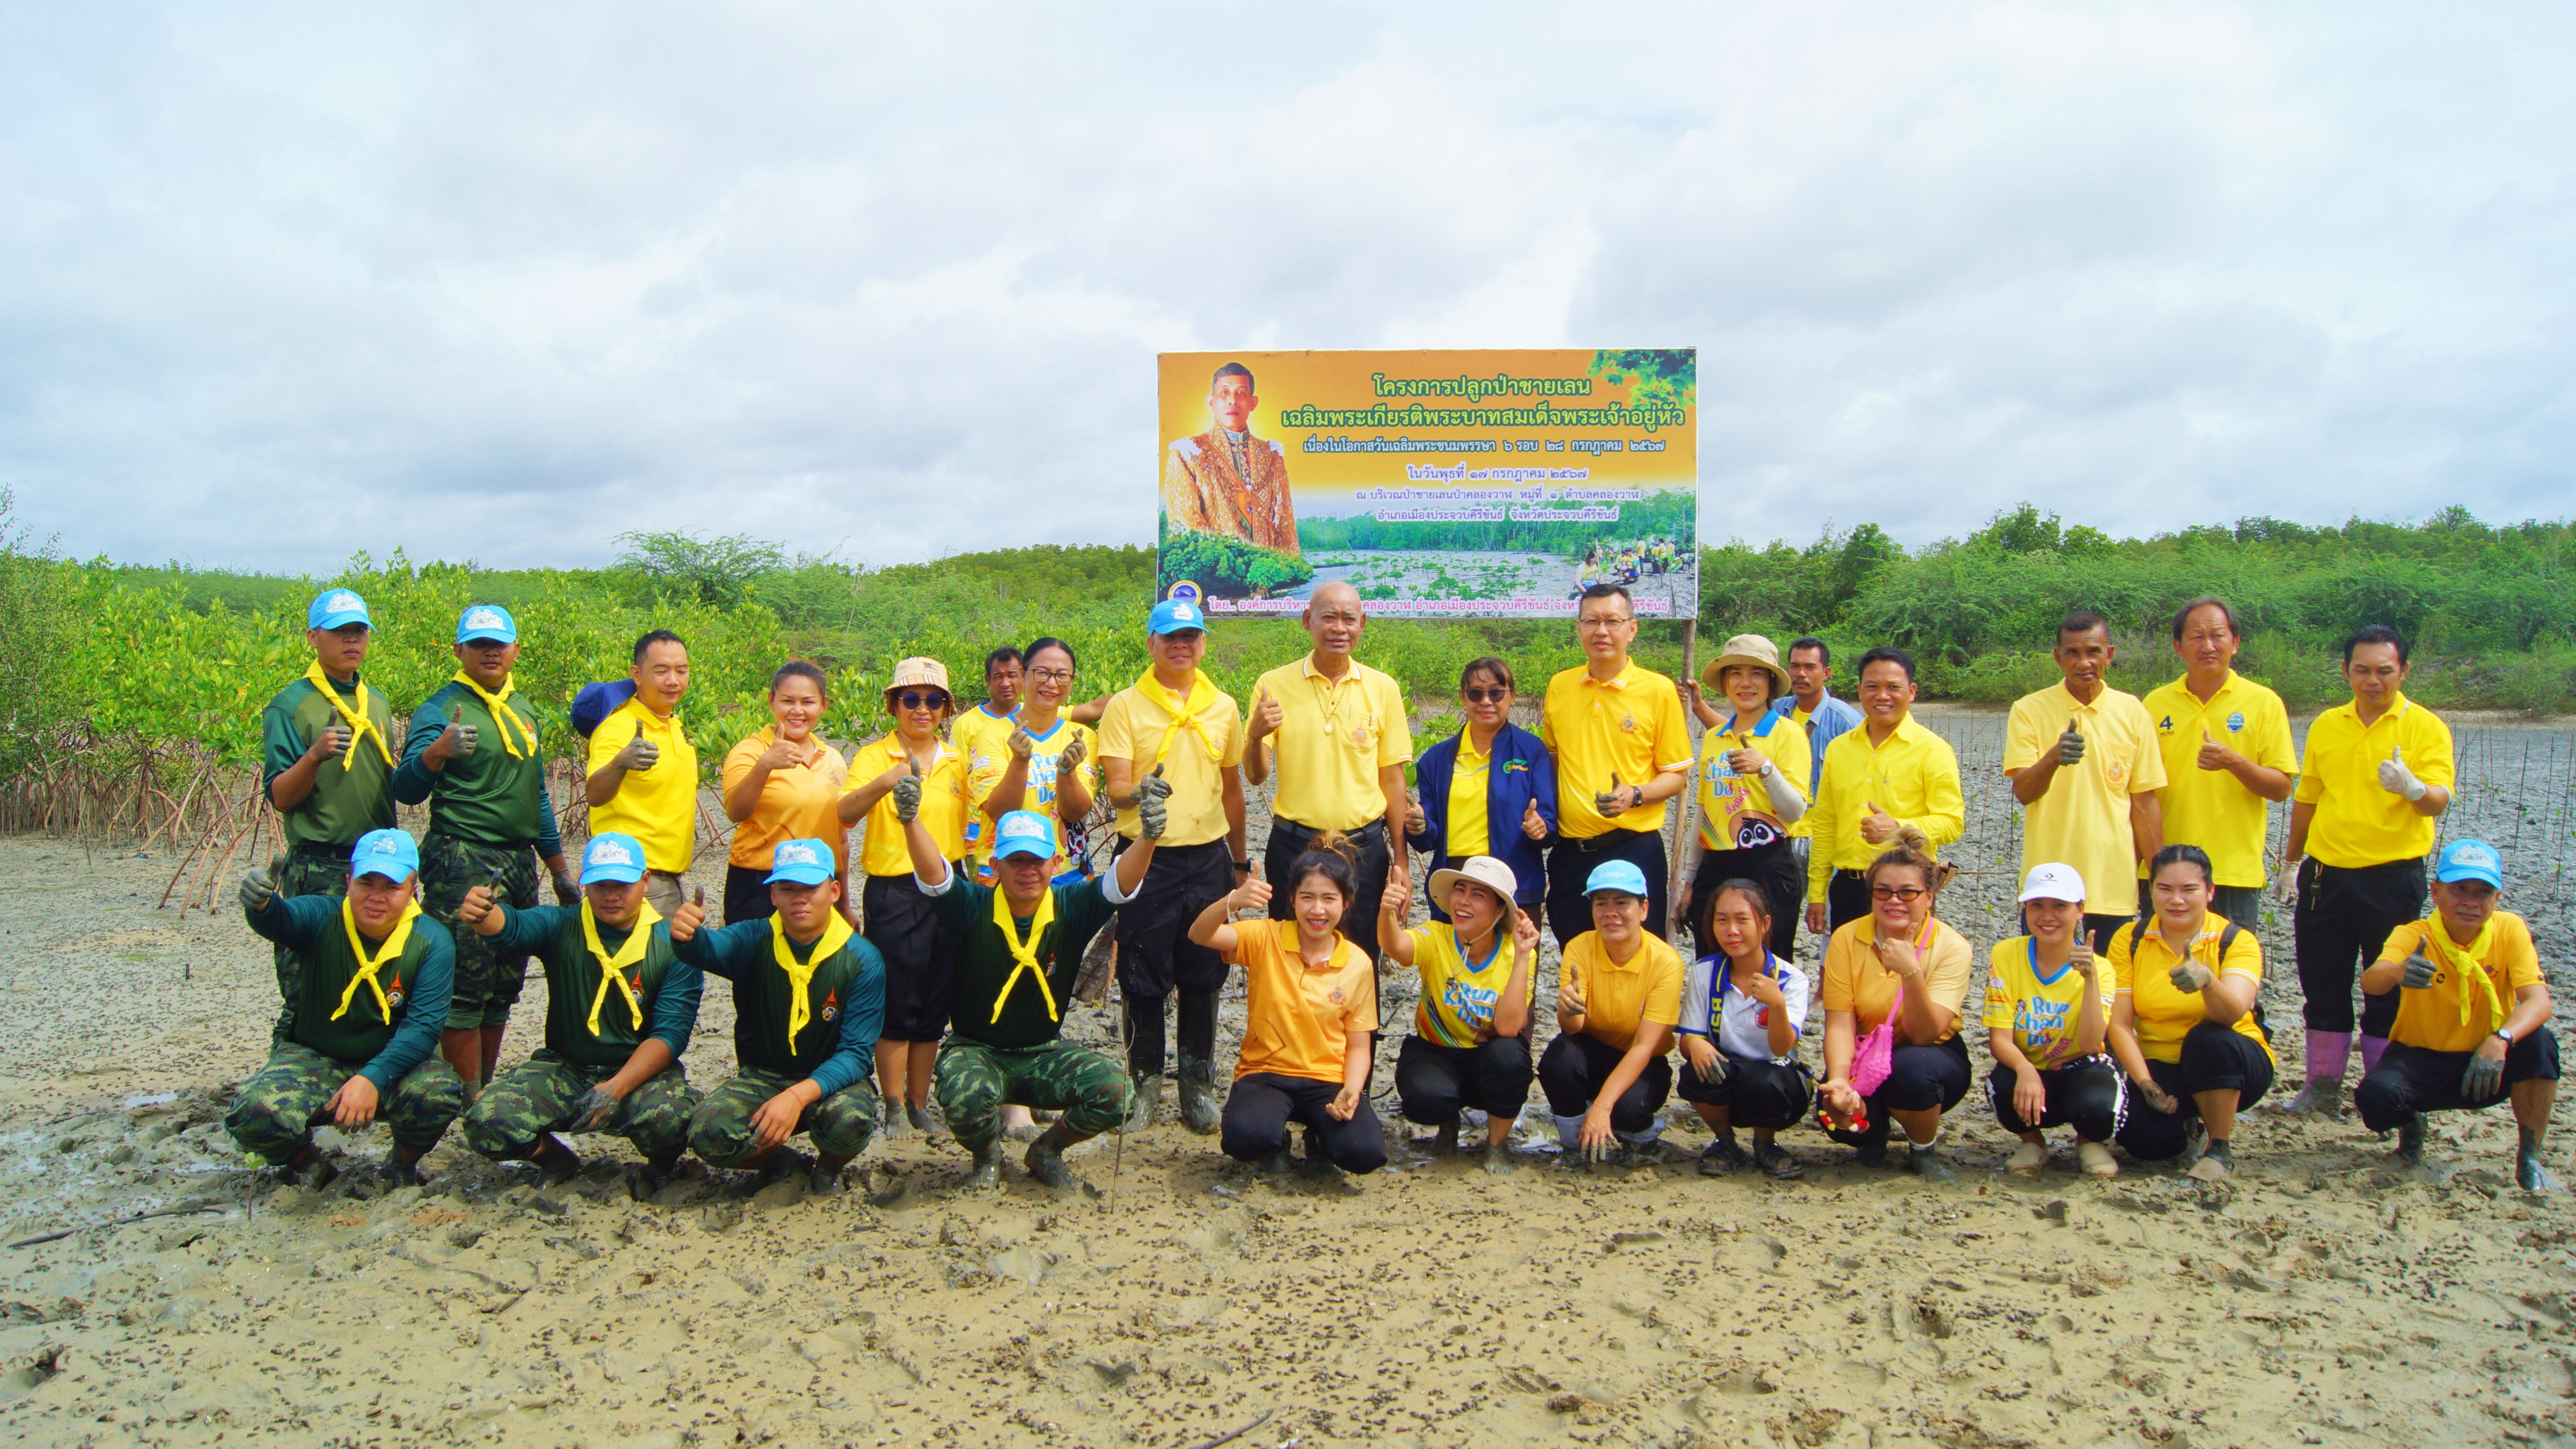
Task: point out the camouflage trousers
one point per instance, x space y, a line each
281 1104
974 1080
487 982
840 1124
537 1096
309 872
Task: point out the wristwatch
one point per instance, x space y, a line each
2504 1036
1244 865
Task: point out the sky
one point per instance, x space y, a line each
283 283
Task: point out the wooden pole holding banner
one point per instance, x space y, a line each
1690 792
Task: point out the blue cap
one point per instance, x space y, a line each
486 621
801 862
615 856
332 608
1173 615
1617 875
2470 860
388 853
1024 832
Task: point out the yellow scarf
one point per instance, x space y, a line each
1184 713
1025 953
502 715
2464 963
368 965
836 934
361 724
613 968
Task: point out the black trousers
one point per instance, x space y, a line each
1757 1092
1919 1078
2214 1058
1846 899
2088 1094
920 957
2412 1079
1157 958
1432 1081
2342 920
746 895
1260 1107
1571 862
1574 1067
1773 867
1289 840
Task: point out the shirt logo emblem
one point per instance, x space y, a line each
2236 722
1628 723
831 1005
394 995
2165 726
2115 772
1334 996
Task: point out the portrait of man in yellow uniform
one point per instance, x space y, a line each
1226 481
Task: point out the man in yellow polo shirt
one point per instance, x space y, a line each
2088 786
1338 729
2378 775
644 772
1889 773
2226 743
1175 739
1622 749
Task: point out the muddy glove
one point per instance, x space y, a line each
640 753
2419 972
2070 746
2484 1079
259 887
907 795
592 1110
1153 807
2396 779
459 736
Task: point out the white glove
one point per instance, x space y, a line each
2396 779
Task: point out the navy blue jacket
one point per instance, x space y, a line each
1522 771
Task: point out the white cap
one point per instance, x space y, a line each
2053 882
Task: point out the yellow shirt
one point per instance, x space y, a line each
2430 1017
1468 833
1298 1018
659 806
801 802
1333 738
1629 730
1458 1001
2166 1015
1914 777
2212 808
1617 999
980 736
2083 820
1132 728
1039 792
1806 825
2357 823
2045 1014
943 806
1858 982
1735 814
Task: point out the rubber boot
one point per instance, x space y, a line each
2410 1140
2371 1049
1925 1159
2329 1053
1198 1095
1045 1159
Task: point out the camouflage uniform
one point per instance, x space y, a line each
490 822
536 1097
840 1124
488 981
835 1046
278 1108
974 1080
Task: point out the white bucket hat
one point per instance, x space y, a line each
1484 870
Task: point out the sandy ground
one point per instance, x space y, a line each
2323 1298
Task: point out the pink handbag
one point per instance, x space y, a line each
1874 1055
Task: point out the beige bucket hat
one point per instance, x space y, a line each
1746 649
1484 870
916 672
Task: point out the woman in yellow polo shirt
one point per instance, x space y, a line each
2184 1023
1310 1014
1753 765
1618 998
2048 1016
1903 968
784 783
1045 762
1470 1042
910 773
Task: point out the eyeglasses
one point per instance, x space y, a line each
915 699
1052 676
1590 621
1896 893
1485 696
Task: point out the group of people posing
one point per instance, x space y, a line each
2128 1009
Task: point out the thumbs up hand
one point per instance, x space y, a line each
458 739
2396 779
1153 805
1877 827
2070 746
2213 755
1153 787
1609 801
259 887
1267 715
1415 822
640 753
687 919
907 793
332 743
476 905
1531 825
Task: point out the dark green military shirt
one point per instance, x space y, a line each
984 961
352 794
844 1002
667 987
379 1044
489 797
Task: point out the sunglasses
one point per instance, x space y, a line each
1896 893
1485 696
916 699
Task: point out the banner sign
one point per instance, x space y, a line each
1487 484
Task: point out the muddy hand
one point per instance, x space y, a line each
459 738
592 1110
1072 758
1153 813
1607 802
2484 1079
1155 785
259 887
2419 972
907 794
2070 746
2188 977
640 753
334 741
1022 746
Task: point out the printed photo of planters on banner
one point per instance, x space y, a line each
1485 484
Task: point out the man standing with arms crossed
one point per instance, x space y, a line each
643 778
326 759
2226 743
1339 729
2088 791
1179 738
2378 775
1622 749
1889 764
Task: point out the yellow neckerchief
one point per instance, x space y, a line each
368 965
1025 954
360 723
2464 962
502 715
836 934
613 968
1184 713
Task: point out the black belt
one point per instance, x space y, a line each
1363 837
1595 844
